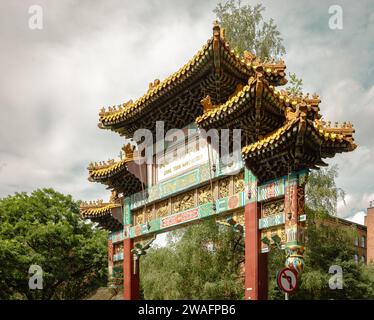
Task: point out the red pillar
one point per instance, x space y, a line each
131 280
256 283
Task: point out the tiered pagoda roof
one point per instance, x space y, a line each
108 215
222 90
281 132
300 143
215 71
116 174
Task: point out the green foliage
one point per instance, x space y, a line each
44 228
331 244
201 262
276 259
322 193
295 85
246 29
327 244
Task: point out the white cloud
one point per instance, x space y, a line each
161 240
358 217
54 81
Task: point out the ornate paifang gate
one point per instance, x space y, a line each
261 194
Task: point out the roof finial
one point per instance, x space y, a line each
154 84
207 103
216 26
129 151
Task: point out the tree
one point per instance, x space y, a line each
44 228
201 262
322 194
246 29
295 85
327 244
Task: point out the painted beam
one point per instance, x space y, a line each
182 182
194 214
275 220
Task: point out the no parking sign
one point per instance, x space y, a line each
287 280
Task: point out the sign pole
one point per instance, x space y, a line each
286 296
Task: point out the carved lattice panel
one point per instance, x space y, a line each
149 213
272 208
238 216
224 188
138 217
239 183
162 209
183 202
205 194
118 248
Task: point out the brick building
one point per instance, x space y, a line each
360 237
369 223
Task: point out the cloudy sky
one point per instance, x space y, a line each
92 54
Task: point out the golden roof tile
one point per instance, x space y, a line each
341 132
211 113
88 211
270 138
283 100
248 63
107 116
107 168
98 208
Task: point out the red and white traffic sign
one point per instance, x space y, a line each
287 280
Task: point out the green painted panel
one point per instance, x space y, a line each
271 221
127 216
206 210
251 189
204 172
155 225
181 182
271 189
153 193
221 205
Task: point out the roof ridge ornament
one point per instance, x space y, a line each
114 198
100 165
92 204
216 47
249 56
207 104
153 84
128 149
112 109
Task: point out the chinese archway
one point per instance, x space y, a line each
282 138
